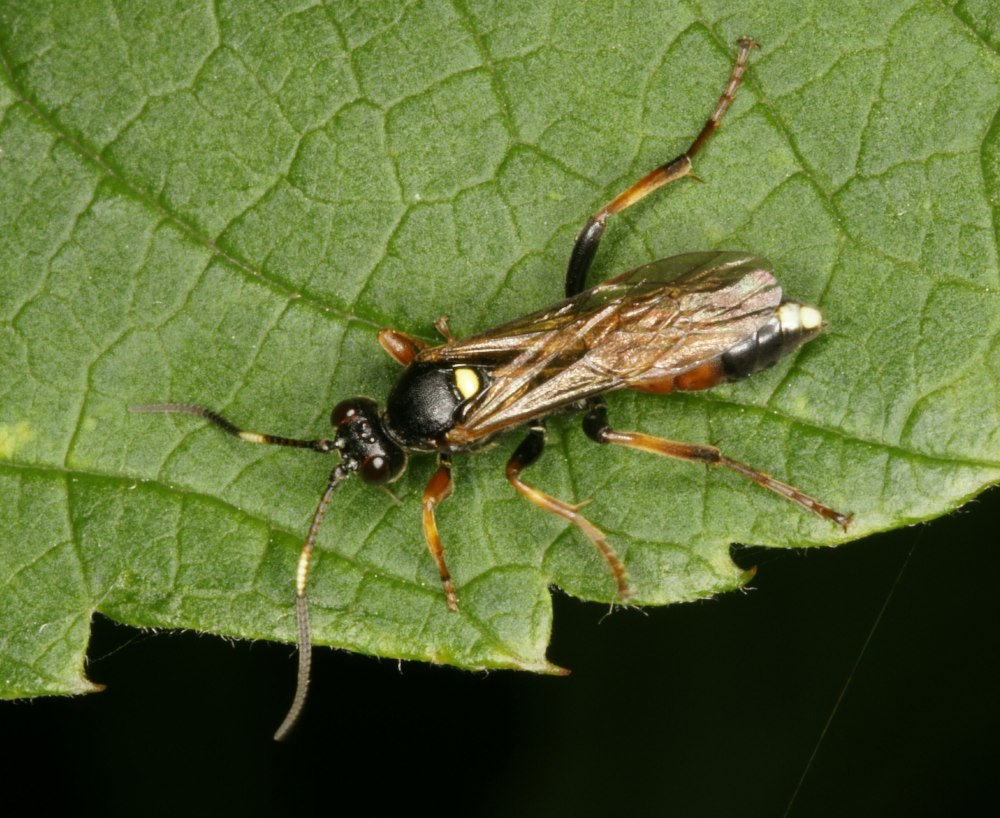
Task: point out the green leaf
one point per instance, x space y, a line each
222 203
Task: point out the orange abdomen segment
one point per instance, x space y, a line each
703 376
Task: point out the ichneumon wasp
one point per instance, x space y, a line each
683 323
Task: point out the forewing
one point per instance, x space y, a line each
683 311
649 323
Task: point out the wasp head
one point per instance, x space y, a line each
363 444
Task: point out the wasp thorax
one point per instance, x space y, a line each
363 443
426 402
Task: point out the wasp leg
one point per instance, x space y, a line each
595 424
439 488
323 445
402 348
528 452
441 325
585 247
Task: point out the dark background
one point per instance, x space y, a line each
711 708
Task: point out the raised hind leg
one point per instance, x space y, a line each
587 241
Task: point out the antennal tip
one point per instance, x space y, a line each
305 665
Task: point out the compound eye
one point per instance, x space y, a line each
348 410
377 469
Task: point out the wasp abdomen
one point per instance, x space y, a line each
791 326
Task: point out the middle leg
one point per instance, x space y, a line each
528 452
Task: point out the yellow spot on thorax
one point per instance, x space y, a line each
466 381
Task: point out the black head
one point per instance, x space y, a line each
428 401
363 444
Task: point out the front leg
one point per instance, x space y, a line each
402 348
439 488
528 452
